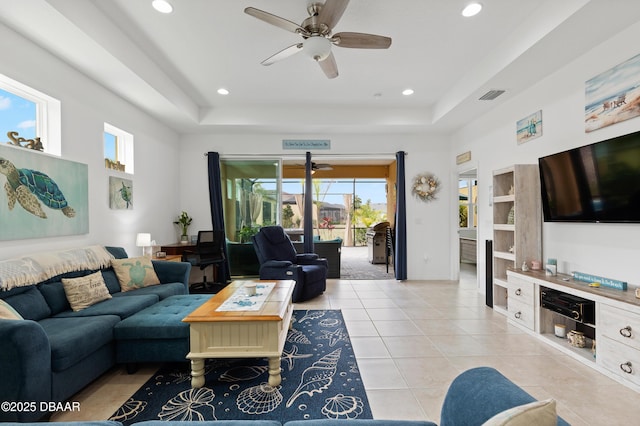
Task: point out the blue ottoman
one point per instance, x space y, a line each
157 333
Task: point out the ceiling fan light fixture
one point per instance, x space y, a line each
472 9
162 6
317 48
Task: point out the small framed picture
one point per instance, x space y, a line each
529 127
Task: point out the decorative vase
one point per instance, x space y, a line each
576 339
184 239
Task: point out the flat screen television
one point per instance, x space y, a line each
594 183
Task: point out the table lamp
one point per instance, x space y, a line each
143 240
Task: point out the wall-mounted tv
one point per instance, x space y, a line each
594 183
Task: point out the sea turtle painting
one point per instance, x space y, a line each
125 193
28 186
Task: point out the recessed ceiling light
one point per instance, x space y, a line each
407 92
162 6
223 91
471 9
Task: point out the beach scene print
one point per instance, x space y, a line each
529 127
613 96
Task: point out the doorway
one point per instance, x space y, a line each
350 196
468 225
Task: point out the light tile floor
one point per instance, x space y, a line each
411 339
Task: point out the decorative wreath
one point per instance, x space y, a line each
425 187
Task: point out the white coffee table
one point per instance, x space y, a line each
240 334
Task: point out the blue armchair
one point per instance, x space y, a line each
279 261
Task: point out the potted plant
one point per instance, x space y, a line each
246 232
184 221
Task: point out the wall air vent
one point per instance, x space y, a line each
491 95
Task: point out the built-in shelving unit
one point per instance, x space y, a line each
517 225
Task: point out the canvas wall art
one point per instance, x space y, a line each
613 96
120 193
529 127
42 195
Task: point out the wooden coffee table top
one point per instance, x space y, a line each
273 309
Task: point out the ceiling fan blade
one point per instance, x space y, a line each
329 66
284 53
323 166
361 40
275 20
332 11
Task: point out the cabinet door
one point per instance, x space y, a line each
521 291
620 325
622 360
521 313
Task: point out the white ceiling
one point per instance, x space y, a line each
172 65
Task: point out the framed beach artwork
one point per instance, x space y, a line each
42 195
120 193
529 127
613 96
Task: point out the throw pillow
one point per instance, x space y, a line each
85 291
537 413
135 272
7 311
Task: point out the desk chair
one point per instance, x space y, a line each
209 251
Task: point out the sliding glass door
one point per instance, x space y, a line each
250 196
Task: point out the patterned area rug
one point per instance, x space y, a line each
320 379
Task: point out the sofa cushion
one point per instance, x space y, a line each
358 422
162 291
55 296
537 413
135 272
7 311
29 304
111 280
72 340
162 320
123 307
85 291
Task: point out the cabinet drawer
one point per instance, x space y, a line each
620 325
620 359
521 313
521 290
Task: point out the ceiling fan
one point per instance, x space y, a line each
316 166
316 32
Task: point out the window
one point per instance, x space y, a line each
118 149
341 206
29 118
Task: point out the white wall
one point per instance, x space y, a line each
609 250
427 223
86 105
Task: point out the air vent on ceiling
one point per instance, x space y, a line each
491 95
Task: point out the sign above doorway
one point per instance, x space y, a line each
305 144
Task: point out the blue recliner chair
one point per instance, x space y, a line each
279 261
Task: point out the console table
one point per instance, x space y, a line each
616 331
177 248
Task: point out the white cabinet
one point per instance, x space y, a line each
517 225
613 340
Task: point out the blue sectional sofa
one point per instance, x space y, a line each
473 398
53 352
